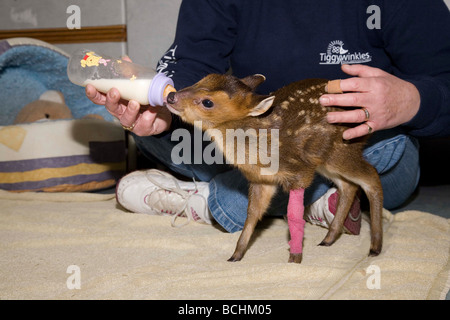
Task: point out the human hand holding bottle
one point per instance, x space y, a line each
140 120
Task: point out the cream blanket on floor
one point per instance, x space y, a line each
50 243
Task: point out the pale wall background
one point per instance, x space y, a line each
150 23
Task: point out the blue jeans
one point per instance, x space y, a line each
393 154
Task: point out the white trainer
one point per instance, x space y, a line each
323 210
158 192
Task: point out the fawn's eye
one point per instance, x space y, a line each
207 103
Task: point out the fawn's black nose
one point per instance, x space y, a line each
171 98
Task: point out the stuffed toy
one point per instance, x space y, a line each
47 150
52 138
50 106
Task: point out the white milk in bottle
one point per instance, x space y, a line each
133 81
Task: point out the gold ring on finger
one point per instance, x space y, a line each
130 128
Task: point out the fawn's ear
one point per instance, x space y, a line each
262 106
254 80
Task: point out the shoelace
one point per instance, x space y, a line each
309 214
184 208
354 219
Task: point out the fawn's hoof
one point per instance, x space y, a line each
295 257
374 253
325 244
234 258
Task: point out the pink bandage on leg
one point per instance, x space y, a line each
296 222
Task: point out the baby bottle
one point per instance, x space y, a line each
132 80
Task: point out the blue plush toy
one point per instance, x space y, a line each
52 137
30 67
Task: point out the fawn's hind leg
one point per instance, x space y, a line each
367 177
259 197
347 192
363 174
374 193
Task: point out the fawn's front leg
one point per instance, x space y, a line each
259 197
296 224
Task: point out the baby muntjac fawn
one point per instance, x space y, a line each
290 127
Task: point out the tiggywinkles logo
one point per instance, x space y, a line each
337 54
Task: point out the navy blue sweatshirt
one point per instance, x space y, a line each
290 40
